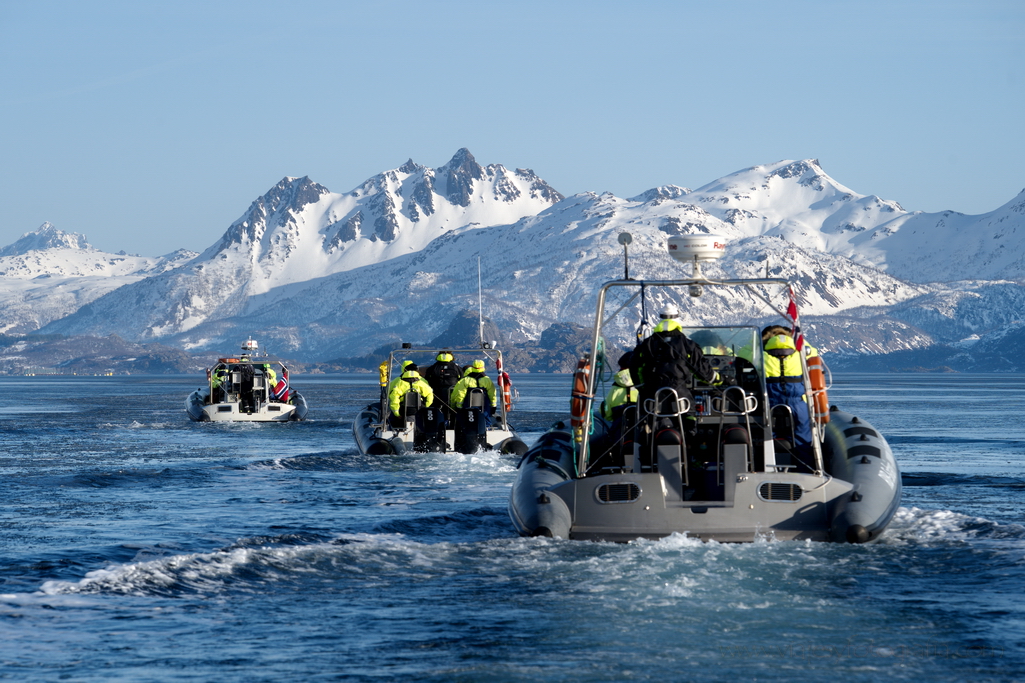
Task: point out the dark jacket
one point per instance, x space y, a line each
442 376
668 359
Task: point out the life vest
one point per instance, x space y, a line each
782 362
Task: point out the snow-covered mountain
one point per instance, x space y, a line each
49 274
299 231
798 201
542 270
324 275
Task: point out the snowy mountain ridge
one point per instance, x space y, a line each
326 274
48 274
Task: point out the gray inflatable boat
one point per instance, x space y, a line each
722 466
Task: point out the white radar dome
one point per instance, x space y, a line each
695 248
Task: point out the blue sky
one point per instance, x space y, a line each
152 126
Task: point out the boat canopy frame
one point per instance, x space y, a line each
581 431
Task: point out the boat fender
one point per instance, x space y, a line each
858 534
513 446
820 400
580 399
552 516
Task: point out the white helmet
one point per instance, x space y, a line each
670 311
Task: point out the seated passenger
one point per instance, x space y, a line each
710 343
220 384
272 377
668 359
622 393
443 375
409 381
474 378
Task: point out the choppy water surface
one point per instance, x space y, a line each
138 546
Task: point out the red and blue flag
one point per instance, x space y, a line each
280 390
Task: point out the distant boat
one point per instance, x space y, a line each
249 388
439 428
721 466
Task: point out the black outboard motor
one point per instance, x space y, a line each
430 430
471 428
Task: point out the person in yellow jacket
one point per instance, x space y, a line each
784 378
220 384
409 381
272 377
394 382
474 378
622 392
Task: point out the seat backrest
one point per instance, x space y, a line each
474 398
411 403
783 422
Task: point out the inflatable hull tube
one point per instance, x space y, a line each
860 455
534 507
364 430
514 445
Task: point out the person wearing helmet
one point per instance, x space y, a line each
268 372
710 343
784 379
409 381
220 384
402 368
443 375
668 358
474 378
622 393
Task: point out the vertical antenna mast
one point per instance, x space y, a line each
625 239
480 306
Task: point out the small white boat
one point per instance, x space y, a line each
719 465
249 388
439 428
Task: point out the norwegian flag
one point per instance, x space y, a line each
793 315
280 390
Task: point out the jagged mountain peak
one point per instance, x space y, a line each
46 236
456 178
410 167
661 193
279 205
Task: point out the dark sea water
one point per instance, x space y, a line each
138 546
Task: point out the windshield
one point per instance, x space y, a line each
743 342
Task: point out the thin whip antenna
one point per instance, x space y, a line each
480 306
